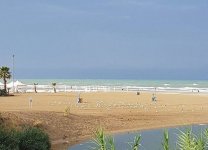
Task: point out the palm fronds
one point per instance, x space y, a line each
136 143
186 140
99 140
111 143
165 142
189 141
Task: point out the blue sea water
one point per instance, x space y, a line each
139 83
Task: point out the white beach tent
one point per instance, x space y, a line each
10 85
17 84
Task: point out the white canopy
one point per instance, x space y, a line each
17 83
10 85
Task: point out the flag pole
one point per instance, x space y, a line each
13 73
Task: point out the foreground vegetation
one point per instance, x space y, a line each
186 141
3 92
30 138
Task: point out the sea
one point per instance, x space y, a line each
119 85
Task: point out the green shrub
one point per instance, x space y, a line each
3 92
28 139
8 139
34 139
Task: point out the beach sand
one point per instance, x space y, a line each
115 112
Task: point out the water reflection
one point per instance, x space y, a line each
151 139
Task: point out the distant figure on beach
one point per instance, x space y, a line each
54 87
195 90
138 93
79 100
154 98
30 102
35 88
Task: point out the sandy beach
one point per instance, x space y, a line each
114 111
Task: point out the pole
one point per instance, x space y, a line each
13 73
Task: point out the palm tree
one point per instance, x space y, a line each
54 87
5 74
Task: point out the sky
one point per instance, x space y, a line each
105 39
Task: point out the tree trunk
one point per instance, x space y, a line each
5 85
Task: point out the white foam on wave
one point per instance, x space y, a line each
103 88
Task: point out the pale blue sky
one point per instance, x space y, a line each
136 39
